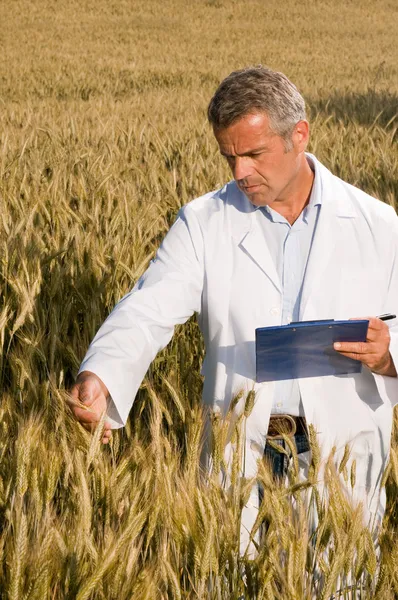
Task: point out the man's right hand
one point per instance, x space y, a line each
89 395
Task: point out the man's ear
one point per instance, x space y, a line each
300 136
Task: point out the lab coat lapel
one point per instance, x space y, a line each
251 240
333 215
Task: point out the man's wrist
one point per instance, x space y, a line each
388 368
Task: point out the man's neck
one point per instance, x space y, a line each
299 197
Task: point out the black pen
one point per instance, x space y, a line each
386 317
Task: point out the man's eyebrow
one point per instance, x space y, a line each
248 153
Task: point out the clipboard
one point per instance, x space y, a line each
305 349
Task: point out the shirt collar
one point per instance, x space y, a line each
316 192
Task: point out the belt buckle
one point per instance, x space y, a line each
286 422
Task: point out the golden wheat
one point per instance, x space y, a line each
103 137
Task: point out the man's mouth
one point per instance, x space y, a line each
251 189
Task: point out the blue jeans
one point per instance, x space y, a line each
278 460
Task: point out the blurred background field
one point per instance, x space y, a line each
103 136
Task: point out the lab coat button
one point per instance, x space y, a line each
274 311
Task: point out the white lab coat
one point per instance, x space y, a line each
215 261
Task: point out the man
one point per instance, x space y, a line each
285 241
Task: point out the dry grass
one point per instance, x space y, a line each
102 138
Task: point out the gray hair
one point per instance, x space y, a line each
258 89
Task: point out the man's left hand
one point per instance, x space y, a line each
374 353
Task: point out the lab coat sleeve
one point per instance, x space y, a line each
388 386
143 322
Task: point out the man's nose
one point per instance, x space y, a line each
241 167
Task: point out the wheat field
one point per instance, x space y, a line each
103 137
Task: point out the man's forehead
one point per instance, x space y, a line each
247 135
242 150
256 122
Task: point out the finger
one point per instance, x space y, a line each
74 392
372 361
72 398
378 331
86 416
107 436
377 324
377 336
374 322
75 402
353 347
361 318
85 396
80 395
78 406
361 357
87 393
91 426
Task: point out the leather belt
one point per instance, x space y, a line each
289 425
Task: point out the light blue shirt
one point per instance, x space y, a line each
290 247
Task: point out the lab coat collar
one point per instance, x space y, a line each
336 213
248 235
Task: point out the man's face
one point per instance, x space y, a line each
261 165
